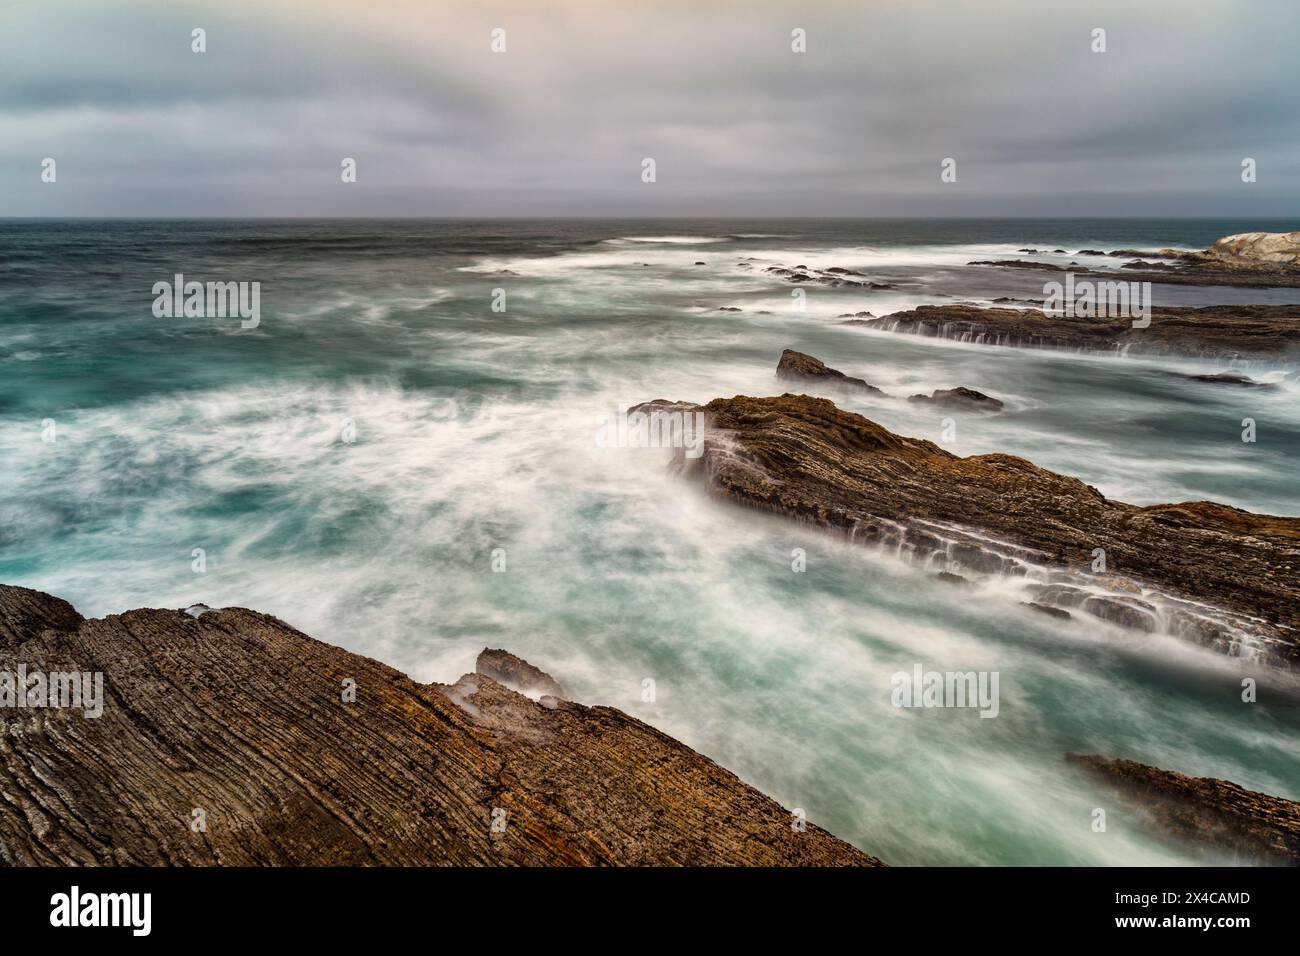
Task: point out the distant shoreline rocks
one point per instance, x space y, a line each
1249 259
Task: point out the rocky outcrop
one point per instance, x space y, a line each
798 367
835 277
517 674
1216 813
1218 331
960 398
1219 576
1252 259
231 738
1255 251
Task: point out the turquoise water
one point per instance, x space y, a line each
474 433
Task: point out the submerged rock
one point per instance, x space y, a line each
798 367
1214 813
1019 264
962 398
835 277
299 753
947 577
1056 612
1229 378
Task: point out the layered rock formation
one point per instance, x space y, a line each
1214 813
1217 331
231 738
1222 577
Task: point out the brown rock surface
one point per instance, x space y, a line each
1219 576
239 715
1220 331
798 367
517 674
1214 812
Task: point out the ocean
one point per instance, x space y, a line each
390 464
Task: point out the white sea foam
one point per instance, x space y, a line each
673 240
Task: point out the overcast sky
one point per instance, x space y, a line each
737 123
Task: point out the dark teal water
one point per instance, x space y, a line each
474 433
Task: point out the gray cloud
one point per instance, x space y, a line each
738 124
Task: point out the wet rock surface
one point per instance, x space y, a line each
961 398
1221 331
239 716
798 367
1229 378
834 278
1218 576
1215 813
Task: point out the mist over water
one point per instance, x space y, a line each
476 431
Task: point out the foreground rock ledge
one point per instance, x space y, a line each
236 714
1219 576
1216 813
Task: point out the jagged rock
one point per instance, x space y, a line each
802 457
1217 331
517 674
834 277
1090 252
962 398
1217 813
798 367
239 716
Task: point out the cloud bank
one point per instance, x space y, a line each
738 124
